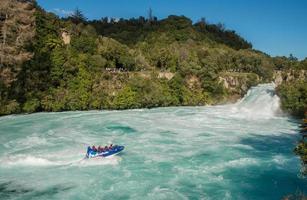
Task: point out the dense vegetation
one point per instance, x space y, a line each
16 31
293 96
133 30
107 64
301 148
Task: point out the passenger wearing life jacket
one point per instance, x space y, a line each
89 149
94 148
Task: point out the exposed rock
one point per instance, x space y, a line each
224 82
144 75
277 78
167 75
289 75
238 83
193 82
66 37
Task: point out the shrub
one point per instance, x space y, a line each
31 106
293 97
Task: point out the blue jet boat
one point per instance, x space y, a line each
91 153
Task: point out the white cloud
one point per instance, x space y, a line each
62 12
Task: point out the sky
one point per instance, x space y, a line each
276 27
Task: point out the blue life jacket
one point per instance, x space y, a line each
89 149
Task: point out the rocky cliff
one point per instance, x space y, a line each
237 84
286 76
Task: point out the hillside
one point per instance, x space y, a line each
75 64
16 31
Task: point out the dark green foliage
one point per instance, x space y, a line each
9 107
84 44
303 64
218 33
178 28
117 55
77 16
126 98
293 97
286 63
301 148
152 92
31 105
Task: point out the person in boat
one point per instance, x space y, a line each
111 146
106 148
88 149
99 149
94 148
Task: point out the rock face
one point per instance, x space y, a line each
238 83
280 77
167 75
66 37
193 82
277 77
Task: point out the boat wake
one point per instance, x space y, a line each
33 161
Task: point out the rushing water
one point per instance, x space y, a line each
237 151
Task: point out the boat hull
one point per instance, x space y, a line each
114 151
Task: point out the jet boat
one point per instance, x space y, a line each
92 153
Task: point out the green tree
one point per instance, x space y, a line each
77 16
294 97
126 98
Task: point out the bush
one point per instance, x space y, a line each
126 98
31 106
10 107
84 44
293 97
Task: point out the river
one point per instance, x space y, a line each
235 151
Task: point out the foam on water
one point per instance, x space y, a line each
259 103
237 151
33 161
25 160
112 160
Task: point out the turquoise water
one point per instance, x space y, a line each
237 151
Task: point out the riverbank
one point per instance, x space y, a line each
301 148
292 90
134 90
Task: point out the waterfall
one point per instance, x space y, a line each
260 102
